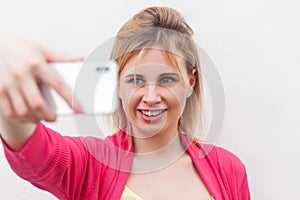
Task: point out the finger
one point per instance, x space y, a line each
37 105
54 81
55 56
20 109
5 105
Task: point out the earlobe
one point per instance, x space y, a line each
192 82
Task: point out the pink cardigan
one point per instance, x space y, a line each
91 168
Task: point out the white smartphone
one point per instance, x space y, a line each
93 84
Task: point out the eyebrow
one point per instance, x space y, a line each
161 75
169 74
134 75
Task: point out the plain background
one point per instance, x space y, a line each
254 44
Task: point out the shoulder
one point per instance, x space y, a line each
214 156
223 160
226 157
229 168
232 172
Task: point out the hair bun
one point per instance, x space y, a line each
164 17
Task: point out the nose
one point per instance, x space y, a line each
151 94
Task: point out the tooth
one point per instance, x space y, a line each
152 113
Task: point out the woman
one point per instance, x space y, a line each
154 154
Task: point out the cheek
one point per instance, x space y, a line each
130 102
176 97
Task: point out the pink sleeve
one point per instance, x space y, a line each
242 182
234 171
51 162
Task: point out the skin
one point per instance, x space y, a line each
23 66
150 138
170 97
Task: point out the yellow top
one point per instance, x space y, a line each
130 195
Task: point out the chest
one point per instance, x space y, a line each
177 181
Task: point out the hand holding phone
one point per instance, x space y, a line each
93 84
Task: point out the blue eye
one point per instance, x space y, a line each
166 80
138 81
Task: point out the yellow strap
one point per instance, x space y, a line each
129 195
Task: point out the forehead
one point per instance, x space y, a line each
151 58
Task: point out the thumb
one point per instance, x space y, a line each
55 56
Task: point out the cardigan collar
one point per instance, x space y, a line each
198 152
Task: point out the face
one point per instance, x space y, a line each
153 93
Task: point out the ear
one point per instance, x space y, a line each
192 82
193 78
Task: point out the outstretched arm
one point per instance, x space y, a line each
23 66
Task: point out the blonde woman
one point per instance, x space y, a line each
154 153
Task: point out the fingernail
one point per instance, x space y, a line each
78 110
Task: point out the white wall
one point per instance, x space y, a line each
255 46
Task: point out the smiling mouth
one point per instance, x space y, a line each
152 113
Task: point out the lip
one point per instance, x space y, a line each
149 119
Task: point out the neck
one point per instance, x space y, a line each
157 151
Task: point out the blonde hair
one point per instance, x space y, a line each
164 28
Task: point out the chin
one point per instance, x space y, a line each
148 130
